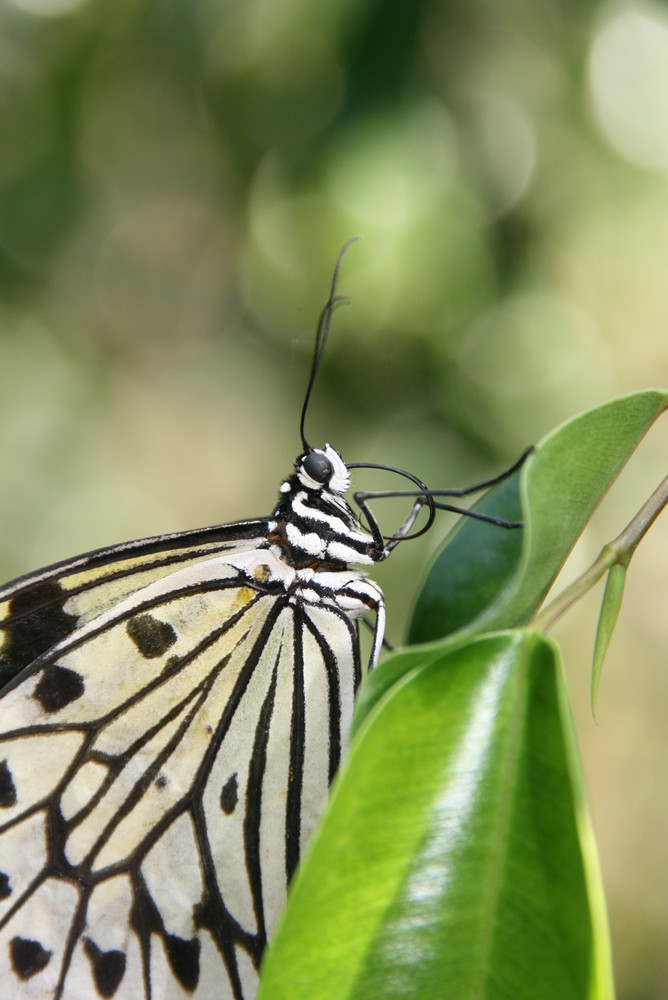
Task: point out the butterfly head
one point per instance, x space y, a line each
323 469
313 522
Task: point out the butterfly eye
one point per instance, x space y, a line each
318 467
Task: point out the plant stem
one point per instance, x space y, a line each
619 550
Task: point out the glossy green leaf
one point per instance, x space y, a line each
392 671
610 608
456 857
486 578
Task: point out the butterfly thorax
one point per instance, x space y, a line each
312 524
320 528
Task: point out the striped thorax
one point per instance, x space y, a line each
316 533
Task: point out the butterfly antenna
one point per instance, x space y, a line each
321 336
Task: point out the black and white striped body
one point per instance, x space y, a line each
171 716
317 532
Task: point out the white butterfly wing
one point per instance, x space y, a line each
160 771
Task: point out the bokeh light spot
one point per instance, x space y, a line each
391 171
48 8
507 145
527 363
628 82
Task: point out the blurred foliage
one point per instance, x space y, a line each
176 179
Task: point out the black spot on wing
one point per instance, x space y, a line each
27 957
204 913
108 967
151 636
57 687
5 887
35 622
170 663
184 959
144 916
229 795
182 954
209 914
7 786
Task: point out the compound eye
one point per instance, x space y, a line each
318 467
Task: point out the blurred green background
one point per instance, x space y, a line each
176 180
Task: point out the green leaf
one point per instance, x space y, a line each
456 858
610 607
392 671
486 578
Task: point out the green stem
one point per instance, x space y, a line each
619 550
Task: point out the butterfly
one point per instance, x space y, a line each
172 712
